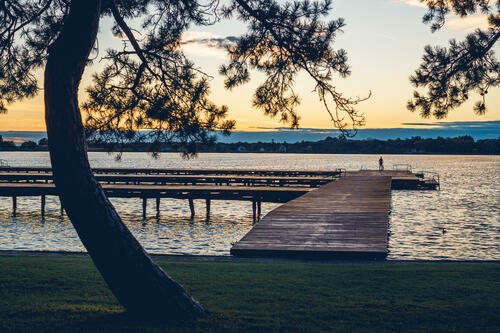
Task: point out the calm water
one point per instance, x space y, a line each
467 207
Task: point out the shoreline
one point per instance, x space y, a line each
93 150
229 258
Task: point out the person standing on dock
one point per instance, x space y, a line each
380 164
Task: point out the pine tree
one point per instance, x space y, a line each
150 84
452 73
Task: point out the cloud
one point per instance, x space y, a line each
208 39
476 129
413 3
201 43
492 124
304 130
489 124
468 23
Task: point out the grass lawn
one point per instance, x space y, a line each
67 294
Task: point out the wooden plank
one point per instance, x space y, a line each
262 172
239 177
247 193
347 218
245 180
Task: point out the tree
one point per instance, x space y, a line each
149 84
451 74
28 145
6 145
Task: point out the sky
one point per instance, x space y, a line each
384 40
479 130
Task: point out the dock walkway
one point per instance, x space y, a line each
347 218
162 179
170 171
244 193
256 186
255 194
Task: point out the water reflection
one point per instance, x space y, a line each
460 222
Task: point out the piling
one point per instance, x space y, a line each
157 207
14 205
254 211
208 208
144 206
43 205
191 207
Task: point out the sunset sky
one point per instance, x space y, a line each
383 38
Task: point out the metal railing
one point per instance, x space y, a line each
401 167
430 176
341 172
3 163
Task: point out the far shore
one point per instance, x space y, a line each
97 150
462 145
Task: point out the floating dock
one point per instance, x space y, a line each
404 179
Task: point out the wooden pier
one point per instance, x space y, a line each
348 218
256 186
171 171
163 179
404 179
256 195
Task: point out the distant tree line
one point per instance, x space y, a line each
415 145
27 145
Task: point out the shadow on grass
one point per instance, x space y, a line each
85 320
67 294
124 322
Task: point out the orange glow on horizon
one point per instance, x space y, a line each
29 116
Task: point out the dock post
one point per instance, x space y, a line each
157 207
144 206
254 211
14 205
208 208
191 207
43 205
259 209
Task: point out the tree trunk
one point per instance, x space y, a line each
139 284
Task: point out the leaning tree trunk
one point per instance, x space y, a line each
138 283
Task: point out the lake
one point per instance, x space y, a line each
459 222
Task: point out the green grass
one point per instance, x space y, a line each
67 294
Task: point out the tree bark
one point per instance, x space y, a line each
140 285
